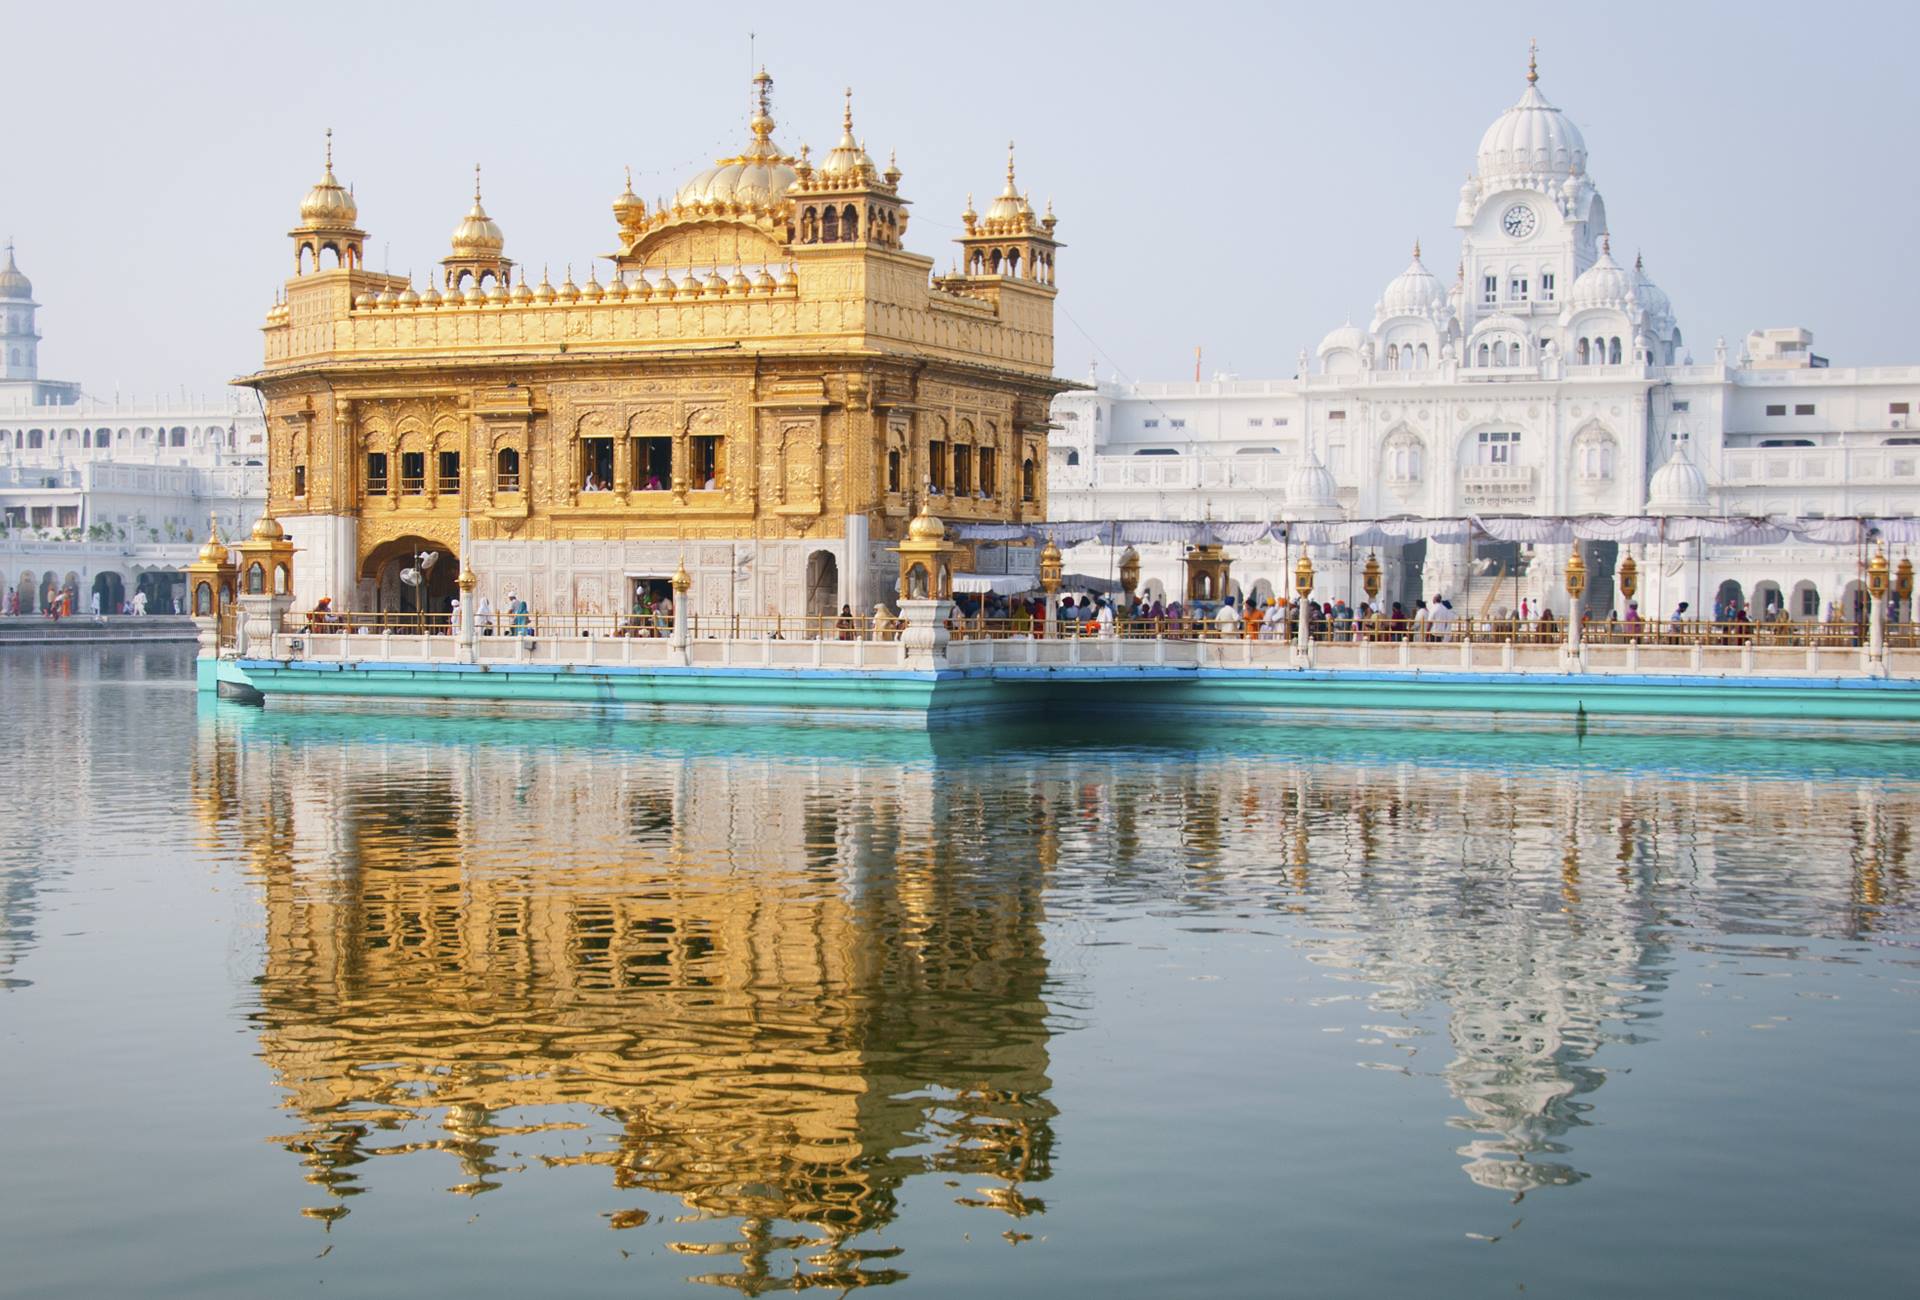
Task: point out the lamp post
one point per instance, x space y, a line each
682 584
466 582
1050 567
1369 583
1877 589
1303 587
1576 588
1129 573
1629 580
1903 586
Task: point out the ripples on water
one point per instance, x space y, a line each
765 983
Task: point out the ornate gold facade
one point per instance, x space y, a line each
767 365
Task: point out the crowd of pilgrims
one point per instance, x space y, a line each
1269 620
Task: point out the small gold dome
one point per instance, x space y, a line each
1011 205
479 235
268 529
926 527
215 551
629 209
329 203
12 283
847 159
1051 555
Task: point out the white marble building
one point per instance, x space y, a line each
1548 378
111 496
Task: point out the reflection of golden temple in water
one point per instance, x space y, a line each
794 982
763 977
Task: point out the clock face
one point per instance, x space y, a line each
1519 221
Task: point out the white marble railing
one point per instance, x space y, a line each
1119 654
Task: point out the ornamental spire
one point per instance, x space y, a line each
1533 62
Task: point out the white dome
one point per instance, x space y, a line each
1604 284
1350 337
1677 487
1652 297
1311 491
1414 292
1532 139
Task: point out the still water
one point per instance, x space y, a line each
386 1003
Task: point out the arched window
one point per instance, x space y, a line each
506 474
850 224
1613 351
1420 358
1393 356
1500 354
1580 353
893 469
1486 354
1028 486
1073 457
830 226
256 579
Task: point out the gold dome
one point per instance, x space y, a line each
629 209
215 551
268 529
1010 206
759 178
478 235
926 527
847 159
12 283
329 203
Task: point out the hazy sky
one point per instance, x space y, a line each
1242 177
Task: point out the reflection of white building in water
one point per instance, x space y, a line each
1549 377
104 496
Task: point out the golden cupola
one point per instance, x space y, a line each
876 216
1009 241
328 217
478 244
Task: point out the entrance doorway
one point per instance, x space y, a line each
823 585
433 595
111 590
648 601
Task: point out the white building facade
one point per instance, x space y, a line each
1548 379
110 497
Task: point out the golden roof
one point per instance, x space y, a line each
268 529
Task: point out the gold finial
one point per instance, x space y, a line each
1533 62
1009 166
1416 250
476 185
329 151
846 114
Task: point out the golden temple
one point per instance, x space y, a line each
767 386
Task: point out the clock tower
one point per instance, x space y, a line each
1530 217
